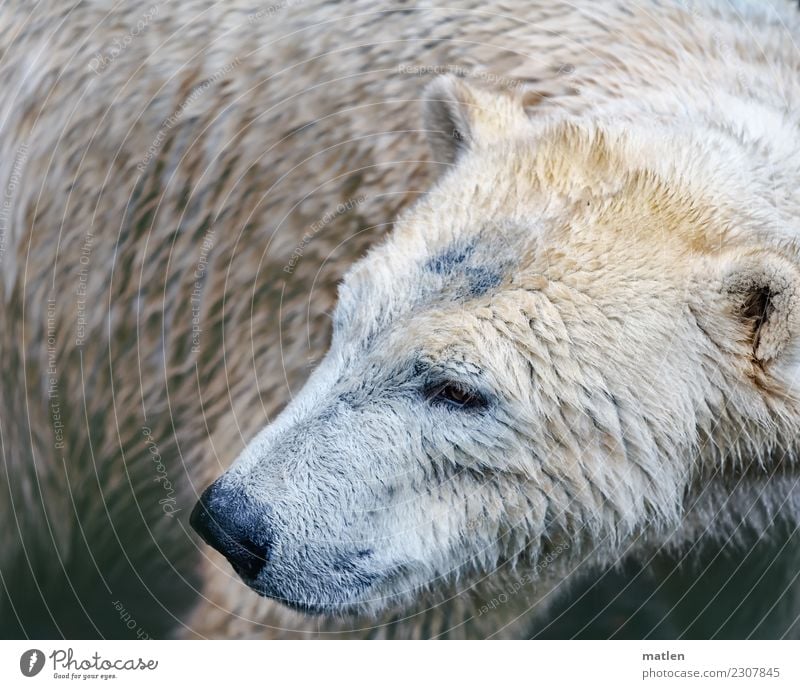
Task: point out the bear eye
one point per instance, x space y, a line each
456 395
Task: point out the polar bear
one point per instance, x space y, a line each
583 340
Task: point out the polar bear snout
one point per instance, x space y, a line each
223 521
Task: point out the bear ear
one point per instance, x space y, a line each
760 300
449 104
458 117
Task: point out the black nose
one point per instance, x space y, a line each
222 521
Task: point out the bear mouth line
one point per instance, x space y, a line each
347 599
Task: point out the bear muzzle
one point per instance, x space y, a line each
222 521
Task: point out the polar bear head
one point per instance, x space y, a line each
580 327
